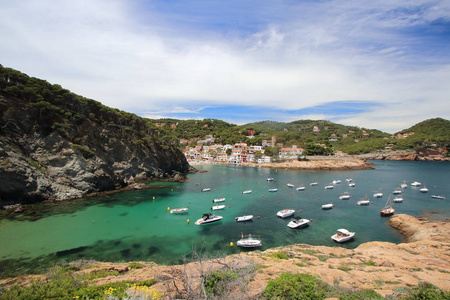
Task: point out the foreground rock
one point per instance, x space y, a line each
381 266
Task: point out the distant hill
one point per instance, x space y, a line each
57 145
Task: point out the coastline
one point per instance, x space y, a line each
382 266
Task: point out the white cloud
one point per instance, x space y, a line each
327 52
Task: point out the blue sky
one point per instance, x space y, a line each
377 64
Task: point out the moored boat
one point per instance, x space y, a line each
247 192
273 190
290 185
328 206
337 181
300 188
424 189
217 207
363 201
206 190
415 183
270 179
284 213
329 187
298 222
182 210
345 196
388 210
314 183
438 197
404 185
244 218
342 235
207 219
397 199
249 241
352 184
219 200
397 191
378 195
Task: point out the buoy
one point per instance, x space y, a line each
278 201
231 244
187 221
153 198
259 217
229 206
311 220
168 208
301 210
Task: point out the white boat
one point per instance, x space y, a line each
397 191
415 183
300 188
298 222
249 241
179 210
273 190
363 201
290 185
284 213
352 184
329 187
207 219
397 199
404 185
328 206
219 200
438 197
342 235
388 210
206 190
314 183
344 196
270 179
378 195
337 181
424 189
247 192
217 207
244 218
348 180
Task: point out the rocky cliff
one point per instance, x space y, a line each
57 145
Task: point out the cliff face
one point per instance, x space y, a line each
56 145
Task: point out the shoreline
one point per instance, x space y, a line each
382 266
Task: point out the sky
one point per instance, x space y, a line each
374 64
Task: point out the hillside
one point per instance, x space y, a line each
57 145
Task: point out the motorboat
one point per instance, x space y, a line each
328 206
207 219
424 189
397 191
217 207
397 199
298 222
363 201
388 210
206 190
438 197
284 213
247 192
352 184
404 185
270 179
300 188
290 185
314 183
219 200
273 190
337 181
249 241
416 183
182 210
378 195
344 196
348 179
342 235
329 187
244 218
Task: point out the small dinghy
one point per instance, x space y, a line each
244 218
217 207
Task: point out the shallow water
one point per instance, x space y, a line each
136 225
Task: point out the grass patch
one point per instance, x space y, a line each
370 263
279 255
135 265
344 268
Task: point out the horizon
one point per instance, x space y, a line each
372 65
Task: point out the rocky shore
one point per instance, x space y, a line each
384 267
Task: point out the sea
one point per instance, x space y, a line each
137 226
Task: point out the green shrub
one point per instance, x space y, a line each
216 282
135 265
295 286
87 153
279 255
427 291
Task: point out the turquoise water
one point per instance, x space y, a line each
136 225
